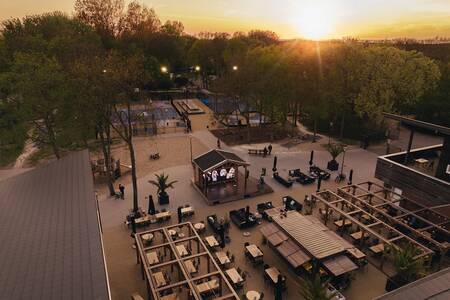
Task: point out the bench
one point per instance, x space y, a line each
257 152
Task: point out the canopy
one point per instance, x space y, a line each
216 158
339 265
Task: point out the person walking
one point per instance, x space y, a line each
269 148
122 191
264 152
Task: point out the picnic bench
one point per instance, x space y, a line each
257 152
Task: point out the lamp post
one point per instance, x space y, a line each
329 134
164 69
235 68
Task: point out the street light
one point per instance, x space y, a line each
235 68
197 68
164 69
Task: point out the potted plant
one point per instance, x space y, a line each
162 184
314 288
334 150
407 267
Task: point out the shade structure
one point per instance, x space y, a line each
277 238
288 248
298 258
269 229
339 265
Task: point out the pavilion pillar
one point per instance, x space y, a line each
246 178
408 150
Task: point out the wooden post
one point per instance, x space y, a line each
408 150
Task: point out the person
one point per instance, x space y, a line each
122 191
218 143
270 148
264 151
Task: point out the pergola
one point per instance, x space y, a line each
353 210
398 211
217 167
180 268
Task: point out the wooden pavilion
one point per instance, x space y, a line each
217 177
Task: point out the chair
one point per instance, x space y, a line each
261 296
163 210
266 266
239 270
232 258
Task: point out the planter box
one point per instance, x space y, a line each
333 165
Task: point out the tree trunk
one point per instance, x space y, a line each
107 157
132 159
52 138
342 126
315 130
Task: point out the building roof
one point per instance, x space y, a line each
51 241
339 265
434 287
311 236
419 124
215 158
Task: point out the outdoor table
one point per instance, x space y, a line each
377 248
252 295
212 242
222 257
172 232
340 223
185 211
163 215
152 258
272 273
190 266
254 251
357 235
147 237
208 286
234 275
182 250
356 253
159 278
199 226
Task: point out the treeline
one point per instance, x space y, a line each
64 78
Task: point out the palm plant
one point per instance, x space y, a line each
162 184
315 289
407 267
334 150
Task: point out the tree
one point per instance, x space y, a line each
40 89
128 76
407 266
315 289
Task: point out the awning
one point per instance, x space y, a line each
298 258
339 265
288 248
277 238
269 229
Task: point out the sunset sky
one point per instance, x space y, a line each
289 18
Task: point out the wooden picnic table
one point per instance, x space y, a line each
152 257
254 251
379 248
159 279
340 223
356 253
187 211
208 286
234 275
211 240
163 215
190 266
272 273
182 250
357 235
223 257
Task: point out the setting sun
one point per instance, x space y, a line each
315 22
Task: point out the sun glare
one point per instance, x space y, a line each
315 22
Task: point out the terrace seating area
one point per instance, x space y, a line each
179 265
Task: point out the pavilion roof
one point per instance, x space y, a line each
215 158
